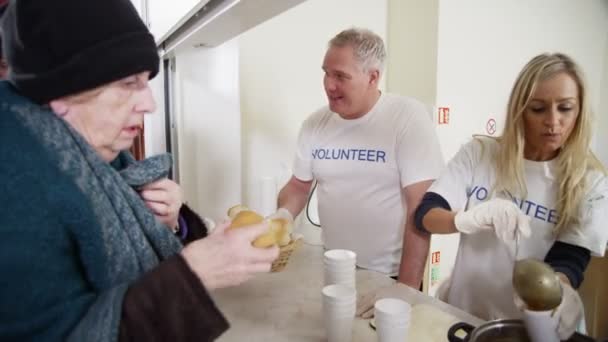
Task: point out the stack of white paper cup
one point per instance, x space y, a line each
541 326
339 267
339 305
392 319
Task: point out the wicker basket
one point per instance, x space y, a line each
279 264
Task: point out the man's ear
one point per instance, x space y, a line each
374 77
59 107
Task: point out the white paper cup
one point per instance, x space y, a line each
392 317
392 333
339 306
339 267
337 293
339 256
343 277
541 326
339 329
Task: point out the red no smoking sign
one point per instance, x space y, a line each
491 127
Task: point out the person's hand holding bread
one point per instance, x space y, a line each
278 232
227 257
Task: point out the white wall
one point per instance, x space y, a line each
154 123
601 134
483 45
412 48
208 124
163 14
281 80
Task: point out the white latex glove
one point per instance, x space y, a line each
569 312
365 303
164 198
227 258
283 214
502 215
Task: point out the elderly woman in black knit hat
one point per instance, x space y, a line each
87 249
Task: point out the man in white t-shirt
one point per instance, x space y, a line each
373 156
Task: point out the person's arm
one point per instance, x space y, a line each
293 196
439 221
191 225
434 215
415 242
569 261
170 304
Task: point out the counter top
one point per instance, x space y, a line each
286 306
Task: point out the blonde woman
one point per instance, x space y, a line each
539 179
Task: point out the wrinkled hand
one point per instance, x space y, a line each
568 313
227 258
281 213
502 215
164 198
365 303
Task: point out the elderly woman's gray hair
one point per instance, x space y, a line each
367 46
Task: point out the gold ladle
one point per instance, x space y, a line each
537 284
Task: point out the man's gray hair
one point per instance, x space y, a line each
368 47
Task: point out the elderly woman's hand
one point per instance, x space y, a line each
227 258
164 197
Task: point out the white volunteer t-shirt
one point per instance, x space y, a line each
361 165
481 280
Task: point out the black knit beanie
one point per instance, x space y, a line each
62 47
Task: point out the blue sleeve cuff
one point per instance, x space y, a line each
570 260
429 201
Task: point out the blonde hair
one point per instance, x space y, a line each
368 47
575 158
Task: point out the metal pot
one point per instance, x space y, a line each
502 330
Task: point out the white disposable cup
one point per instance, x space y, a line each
339 306
339 256
344 277
339 267
392 317
337 293
541 326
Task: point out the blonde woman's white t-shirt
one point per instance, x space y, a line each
361 166
481 280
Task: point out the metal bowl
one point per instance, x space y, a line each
503 330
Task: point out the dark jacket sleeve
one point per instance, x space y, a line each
570 260
170 304
191 226
429 201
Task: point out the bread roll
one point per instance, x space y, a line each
282 231
235 210
249 217
246 218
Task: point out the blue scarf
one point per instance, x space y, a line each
133 240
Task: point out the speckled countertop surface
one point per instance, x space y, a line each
286 306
